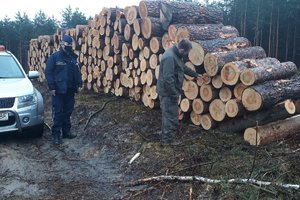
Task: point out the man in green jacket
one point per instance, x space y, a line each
169 87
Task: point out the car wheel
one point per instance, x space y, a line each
35 132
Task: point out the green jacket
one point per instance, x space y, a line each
171 73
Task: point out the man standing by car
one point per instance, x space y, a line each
64 80
169 87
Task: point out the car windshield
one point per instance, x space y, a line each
9 68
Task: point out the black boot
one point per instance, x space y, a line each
69 135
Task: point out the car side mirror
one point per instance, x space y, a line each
33 74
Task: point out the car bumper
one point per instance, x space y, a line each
19 119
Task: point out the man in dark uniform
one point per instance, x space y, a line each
64 80
169 87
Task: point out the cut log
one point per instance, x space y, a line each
217 82
269 93
153 61
135 42
188 13
272 132
149 8
128 32
220 44
132 14
234 108
199 106
185 105
238 90
122 24
146 52
150 77
151 27
118 40
156 45
191 66
195 118
143 43
207 122
214 62
217 110
225 94
208 93
196 54
137 26
280 111
190 89
263 73
231 71
144 65
205 32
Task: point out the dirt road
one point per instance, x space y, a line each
94 165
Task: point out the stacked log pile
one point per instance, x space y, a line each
119 52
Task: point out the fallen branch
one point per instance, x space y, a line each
214 181
92 115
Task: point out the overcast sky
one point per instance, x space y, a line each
55 7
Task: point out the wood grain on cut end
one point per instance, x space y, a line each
210 64
217 110
195 118
230 74
247 77
252 100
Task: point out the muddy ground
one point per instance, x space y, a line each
95 165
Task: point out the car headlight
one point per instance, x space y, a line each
27 100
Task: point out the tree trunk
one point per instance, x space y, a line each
176 12
214 62
269 93
220 44
151 27
279 111
205 32
272 132
231 72
262 73
149 8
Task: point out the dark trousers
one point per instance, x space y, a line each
62 108
169 109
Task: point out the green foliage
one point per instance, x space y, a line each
16 34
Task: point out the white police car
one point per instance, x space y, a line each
21 104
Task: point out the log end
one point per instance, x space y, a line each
217 110
230 74
195 118
290 106
231 108
207 122
196 54
250 135
143 11
251 99
247 77
210 64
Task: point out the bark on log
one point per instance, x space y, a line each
280 111
231 71
189 13
151 27
272 132
214 62
262 73
205 32
220 44
149 8
271 92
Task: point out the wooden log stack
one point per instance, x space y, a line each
119 52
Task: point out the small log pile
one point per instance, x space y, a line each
119 52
